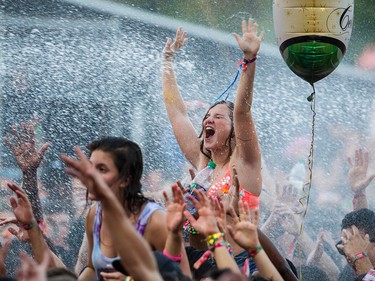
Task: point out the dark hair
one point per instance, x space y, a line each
60 274
313 272
230 106
363 219
127 156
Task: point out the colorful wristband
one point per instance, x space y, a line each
30 225
243 63
359 256
174 258
211 239
253 253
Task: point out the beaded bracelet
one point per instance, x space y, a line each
253 253
223 244
243 63
211 239
188 228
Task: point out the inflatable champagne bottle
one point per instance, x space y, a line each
313 35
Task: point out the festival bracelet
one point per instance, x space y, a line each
211 239
244 62
30 225
253 253
359 256
174 258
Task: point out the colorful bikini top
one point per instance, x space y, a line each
224 185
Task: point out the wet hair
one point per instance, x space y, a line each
127 156
230 106
363 219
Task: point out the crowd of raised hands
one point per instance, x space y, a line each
136 256
282 225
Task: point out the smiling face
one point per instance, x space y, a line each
217 125
104 164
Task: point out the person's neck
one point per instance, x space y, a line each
220 158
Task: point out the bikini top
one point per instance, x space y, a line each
224 185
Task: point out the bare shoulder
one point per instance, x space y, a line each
90 217
158 220
156 231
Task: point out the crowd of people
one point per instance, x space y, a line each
218 227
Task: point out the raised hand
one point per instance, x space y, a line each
175 209
31 270
249 43
220 215
233 196
244 232
171 47
315 256
83 170
22 144
357 174
206 222
21 205
353 242
288 195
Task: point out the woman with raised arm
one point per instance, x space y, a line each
120 164
228 136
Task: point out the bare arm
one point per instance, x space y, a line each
247 154
135 253
245 234
25 217
207 225
174 221
88 273
22 145
358 178
177 112
276 258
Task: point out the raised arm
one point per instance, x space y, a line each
208 226
25 217
247 153
245 234
358 178
22 145
174 247
177 112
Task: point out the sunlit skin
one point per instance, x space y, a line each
371 247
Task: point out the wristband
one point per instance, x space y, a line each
30 225
359 256
243 63
174 258
253 253
211 239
